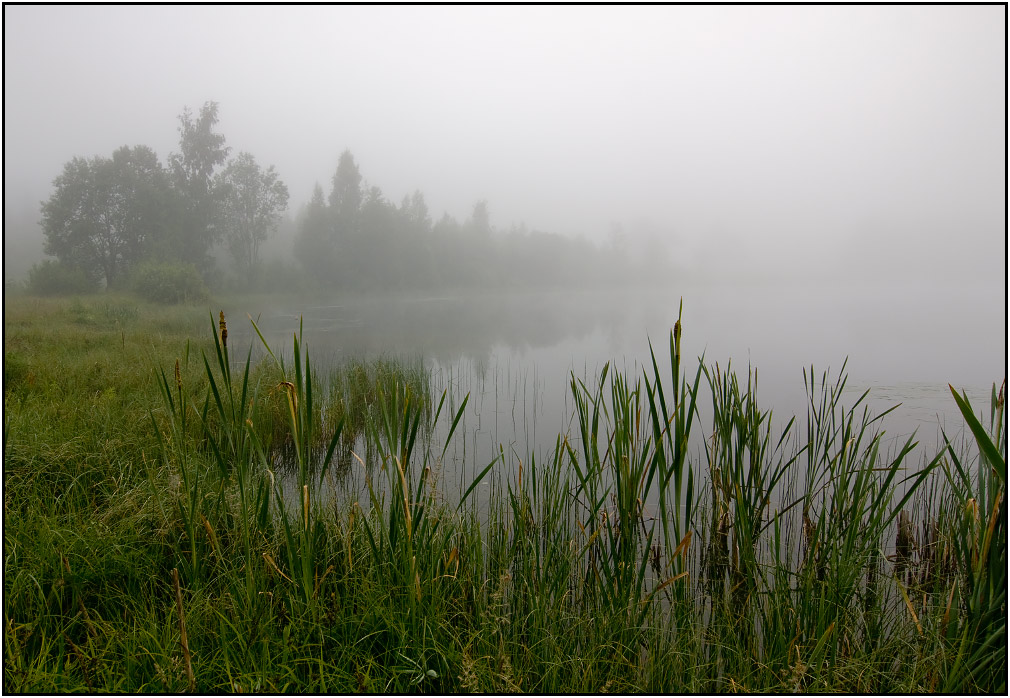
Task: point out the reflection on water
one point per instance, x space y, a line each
515 354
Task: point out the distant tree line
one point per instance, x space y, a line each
355 238
110 218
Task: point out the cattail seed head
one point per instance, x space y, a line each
178 375
224 330
292 394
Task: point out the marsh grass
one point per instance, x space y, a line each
147 506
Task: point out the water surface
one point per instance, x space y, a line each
515 354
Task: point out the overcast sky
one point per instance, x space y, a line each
866 136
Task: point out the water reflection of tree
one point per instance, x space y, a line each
446 329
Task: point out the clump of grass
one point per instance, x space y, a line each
356 391
978 542
301 536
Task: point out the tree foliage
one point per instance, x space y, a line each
107 215
314 246
480 219
105 212
346 194
201 152
252 202
414 210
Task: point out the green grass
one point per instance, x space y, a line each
138 449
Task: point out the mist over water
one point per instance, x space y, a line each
515 354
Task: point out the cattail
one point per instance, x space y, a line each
224 330
292 394
178 376
809 534
971 508
676 357
655 559
719 548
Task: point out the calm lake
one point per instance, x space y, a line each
514 354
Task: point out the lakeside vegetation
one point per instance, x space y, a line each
165 530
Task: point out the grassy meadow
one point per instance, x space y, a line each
165 531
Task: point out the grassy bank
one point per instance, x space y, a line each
165 530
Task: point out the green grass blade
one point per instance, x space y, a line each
985 444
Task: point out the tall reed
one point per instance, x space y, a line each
978 538
303 536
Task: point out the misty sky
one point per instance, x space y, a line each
863 138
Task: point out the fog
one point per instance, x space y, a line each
845 141
818 184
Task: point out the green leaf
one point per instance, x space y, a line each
985 444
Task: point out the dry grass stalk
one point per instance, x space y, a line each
507 676
992 525
184 640
908 605
904 545
87 618
80 603
469 677
270 561
797 672
946 613
928 552
734 687
81 661
319 581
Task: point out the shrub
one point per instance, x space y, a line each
169 282
54 278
